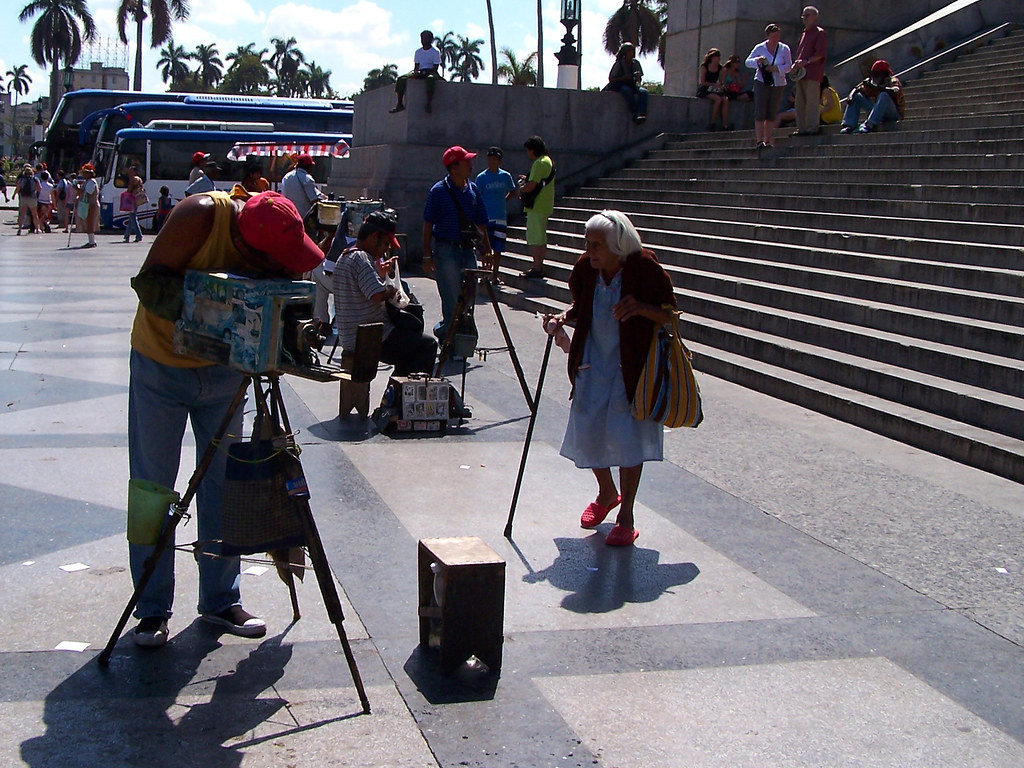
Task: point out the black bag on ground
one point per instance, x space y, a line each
407 318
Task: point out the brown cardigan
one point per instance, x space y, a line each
642 277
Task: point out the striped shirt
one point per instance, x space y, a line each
355 281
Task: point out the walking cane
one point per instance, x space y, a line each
529 436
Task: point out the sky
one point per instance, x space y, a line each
347 37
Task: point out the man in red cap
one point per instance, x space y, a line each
299 187
880 95
198 166
206 232
454 230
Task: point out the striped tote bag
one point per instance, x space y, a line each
667 391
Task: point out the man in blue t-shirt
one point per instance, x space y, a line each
452 218
497 186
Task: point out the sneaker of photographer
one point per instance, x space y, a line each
237 621
151 632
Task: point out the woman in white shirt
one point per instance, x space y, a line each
770 60
45 200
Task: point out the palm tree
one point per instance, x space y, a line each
17 83
210 69
160 24
249 49
449 50
56 35
248 74
468 64
172 62
319 81
494 49
635 23
540 45
285 60
515 72
379 78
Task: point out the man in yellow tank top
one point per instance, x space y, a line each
261 235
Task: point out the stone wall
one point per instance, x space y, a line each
397 157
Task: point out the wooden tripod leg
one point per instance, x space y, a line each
318 559
324 577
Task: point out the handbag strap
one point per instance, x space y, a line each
464 222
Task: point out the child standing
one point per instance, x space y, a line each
163 208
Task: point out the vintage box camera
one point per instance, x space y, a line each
256 326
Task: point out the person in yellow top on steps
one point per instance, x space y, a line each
262 235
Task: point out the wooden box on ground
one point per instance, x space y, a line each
471 610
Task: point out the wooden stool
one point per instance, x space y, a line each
470 617
359 369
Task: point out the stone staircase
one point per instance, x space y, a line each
878 279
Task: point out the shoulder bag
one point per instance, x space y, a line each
667 391
529 198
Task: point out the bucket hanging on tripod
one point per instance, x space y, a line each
259 514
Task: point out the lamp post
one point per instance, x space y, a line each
69 77
569 56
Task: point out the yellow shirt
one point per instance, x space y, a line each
834 113
151 335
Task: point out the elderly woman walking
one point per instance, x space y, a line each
619 293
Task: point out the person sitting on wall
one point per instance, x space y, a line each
625 77
880 95
426 62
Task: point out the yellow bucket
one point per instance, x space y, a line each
328 213
148 505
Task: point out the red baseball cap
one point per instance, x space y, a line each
197 156
456 154
270 222
881 67
305 159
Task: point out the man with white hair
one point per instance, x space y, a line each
811 52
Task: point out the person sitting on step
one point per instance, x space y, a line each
880 95
426 62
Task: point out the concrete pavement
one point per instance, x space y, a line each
803 593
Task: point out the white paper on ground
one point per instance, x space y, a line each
255 570
71 645
72 567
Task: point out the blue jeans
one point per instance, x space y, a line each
132 225
160 400
449 261
636 98
881 110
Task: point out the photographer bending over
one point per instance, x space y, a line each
210 231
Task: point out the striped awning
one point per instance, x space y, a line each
275 149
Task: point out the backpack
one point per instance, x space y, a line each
62 189
27 186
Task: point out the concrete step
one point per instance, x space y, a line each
858 190
719 174
984 449
999 340
806 159
849 148
737 258
761 208
838 241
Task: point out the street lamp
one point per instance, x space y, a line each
69 77
569 56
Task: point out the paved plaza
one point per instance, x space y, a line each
803 593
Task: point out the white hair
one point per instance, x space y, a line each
619 232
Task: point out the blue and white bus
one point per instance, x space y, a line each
292 115
164 158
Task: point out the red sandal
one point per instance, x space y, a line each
595 514
621 536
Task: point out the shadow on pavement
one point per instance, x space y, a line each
168 706
602 578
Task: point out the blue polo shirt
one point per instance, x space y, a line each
494 187
440 210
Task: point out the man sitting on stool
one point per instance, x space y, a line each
362 285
